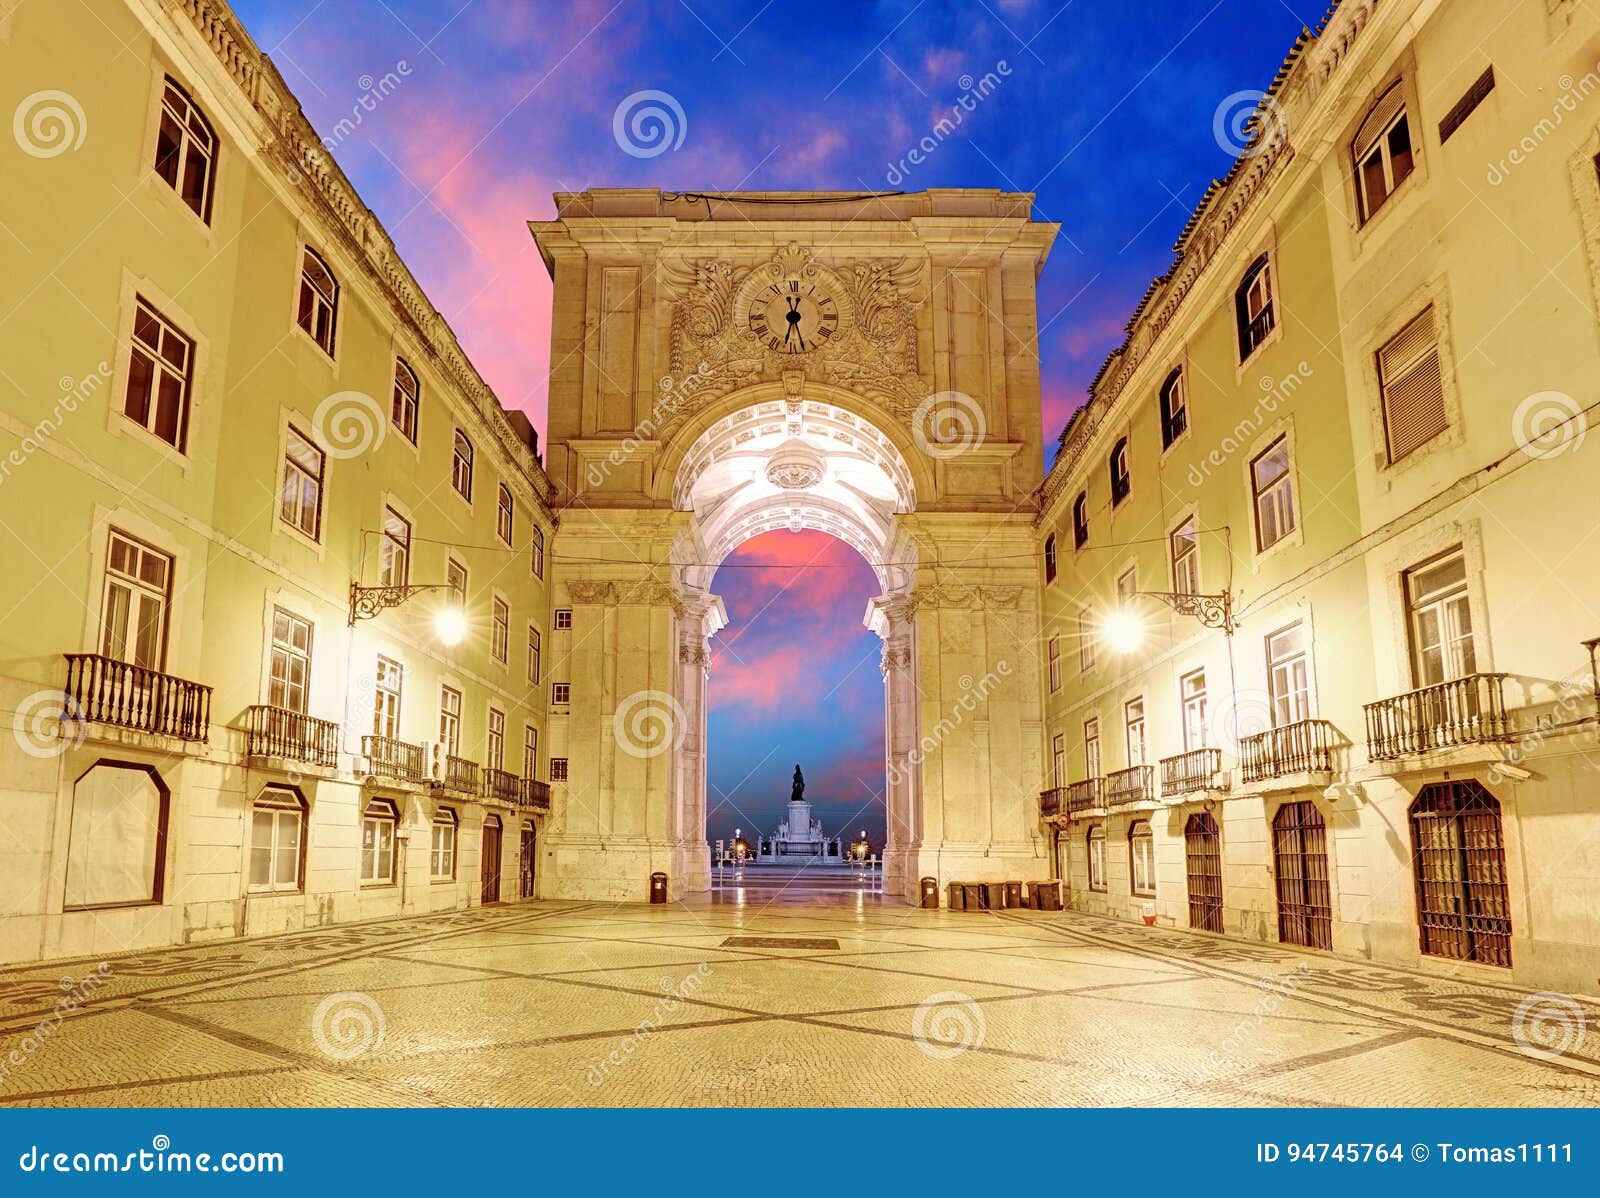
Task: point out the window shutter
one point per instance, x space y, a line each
1412 388
1385 110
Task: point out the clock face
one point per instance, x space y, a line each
793 316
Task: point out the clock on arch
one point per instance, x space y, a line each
794 315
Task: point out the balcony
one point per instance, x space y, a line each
389 758
1305 747
1053 802
1130 787
1198 769
1084 797
103 691
277 732
1464 711
461 775
533 795
499 784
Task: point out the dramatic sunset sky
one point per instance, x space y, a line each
500 103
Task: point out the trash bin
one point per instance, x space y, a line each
1046 895
930 893
994 895
958 897
1014 894
972 896
658 887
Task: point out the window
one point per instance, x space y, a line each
300 505
560 693
377 843
289 673
1091 747
497 739
319 301
1050 558
1174 409
1253 306
504 515
455 579
1464 107
1121 481
1300 860
396 549
1133 726
186 150
1192 695
1055 662
117 846
1274 494
1458 852
1080 520
1097 858
1185 543
387 686
450 721
530 751
1127 587
537 557
1202 851
558 769
133 610
461 466
500 632
1382 150
563 619
277 831
533 656
1440 619
407 399
160 374
1287 683
1058 760
1141 858
442 851
1411 387
1086 635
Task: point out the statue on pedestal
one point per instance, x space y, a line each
799 789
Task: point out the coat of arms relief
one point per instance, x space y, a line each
853 324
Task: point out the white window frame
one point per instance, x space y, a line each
115 642
302 484
1054 654
1279 493
500 630
284 654
379 823
405 405
442 843
1185 561
1141 859
505 514
1134 732
322 304
1192 704
462 455
388 696
1095 852
449 720
1289 676
283 806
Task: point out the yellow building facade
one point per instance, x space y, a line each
235 407
1356 407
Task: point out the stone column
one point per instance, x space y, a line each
703 615
889 617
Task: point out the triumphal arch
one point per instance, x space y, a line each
726 364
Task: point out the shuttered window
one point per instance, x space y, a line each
1411 386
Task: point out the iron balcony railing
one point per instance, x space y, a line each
1305 747
533 795
390 758
1198 769
1463 711
101 690
461 774
291 736
1083 796
1136 784
1052 802
500 784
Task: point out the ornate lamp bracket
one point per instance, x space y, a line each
1213 611
366 602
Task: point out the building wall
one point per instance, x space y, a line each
94 227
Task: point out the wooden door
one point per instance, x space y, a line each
530 837
491 860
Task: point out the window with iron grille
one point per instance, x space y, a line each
134 605
1141 858
1055 663
160 375
1300 865
461 466
396 549
1382 151
186 150
1121 479
407 399
1411 387
1097 858
289 672
1185 543
537 552
500 632
1272 487
319 301
558 769
504 515
1050 558
1174 409
450 721
1458 854
277 829
561 693
563 619
1202 845
1253 308
1464 107
300 504
1080 520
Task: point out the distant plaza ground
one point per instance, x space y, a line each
774 995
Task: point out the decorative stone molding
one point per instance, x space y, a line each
952 597
601 592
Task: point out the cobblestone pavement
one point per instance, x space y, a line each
844 1002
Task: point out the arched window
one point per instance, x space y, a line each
1253 306
461 466
1202 844
1300 863
1050 558
1097 857
407 399
1141 858
1458 853
538 552
1080 520
378 823
504 516
1121 480
319 300
186 150
1381 151
1174 408
277 840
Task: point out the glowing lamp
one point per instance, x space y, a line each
450 625
1123 630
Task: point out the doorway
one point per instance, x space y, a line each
491 860
530 842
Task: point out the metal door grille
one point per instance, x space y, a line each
1203 847
1300 853
1463 905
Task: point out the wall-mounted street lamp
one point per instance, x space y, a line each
1124 629
449 623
